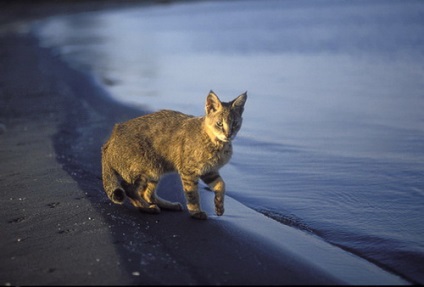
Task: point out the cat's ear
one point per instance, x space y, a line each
213 103
238 103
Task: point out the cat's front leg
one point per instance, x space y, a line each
190 186
215 182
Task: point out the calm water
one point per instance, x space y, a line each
333 134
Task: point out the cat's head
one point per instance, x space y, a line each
223 120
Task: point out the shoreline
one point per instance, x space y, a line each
62 211
62 229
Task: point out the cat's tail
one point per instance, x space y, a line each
165 204
111 180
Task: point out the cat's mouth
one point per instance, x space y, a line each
224 139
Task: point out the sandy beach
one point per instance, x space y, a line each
59 228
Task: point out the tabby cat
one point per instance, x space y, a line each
141 150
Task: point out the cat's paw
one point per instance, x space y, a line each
199 215
219 211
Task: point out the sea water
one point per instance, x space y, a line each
333 134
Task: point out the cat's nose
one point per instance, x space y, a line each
228 136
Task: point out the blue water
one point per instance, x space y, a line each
333 134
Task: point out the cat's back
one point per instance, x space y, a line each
161 123
163 118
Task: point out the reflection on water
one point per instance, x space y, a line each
333 136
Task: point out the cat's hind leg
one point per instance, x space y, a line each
151 196
139 196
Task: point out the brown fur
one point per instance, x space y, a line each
141 150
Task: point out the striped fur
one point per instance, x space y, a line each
141 150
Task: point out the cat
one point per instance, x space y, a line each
141 150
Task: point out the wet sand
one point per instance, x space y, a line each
59 228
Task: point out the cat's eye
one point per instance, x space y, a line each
219 124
